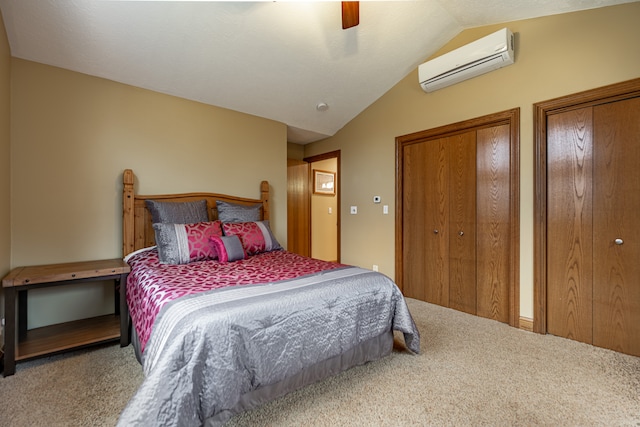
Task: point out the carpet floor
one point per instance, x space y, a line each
471 372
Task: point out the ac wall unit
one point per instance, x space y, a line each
481 56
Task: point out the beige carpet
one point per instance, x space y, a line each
472 371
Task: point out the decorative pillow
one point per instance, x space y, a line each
232 212
185 243
256 237
178 212
228 248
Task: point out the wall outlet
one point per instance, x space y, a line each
375 267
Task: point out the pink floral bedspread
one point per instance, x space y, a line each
151 284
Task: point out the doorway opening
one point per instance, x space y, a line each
313 206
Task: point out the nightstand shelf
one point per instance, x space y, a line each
69 335
23 344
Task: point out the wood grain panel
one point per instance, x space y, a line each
298 207
69 335
462 229
616 289
493 228
36 274
128 228
415 182
569 224
140 221
436 219
426 221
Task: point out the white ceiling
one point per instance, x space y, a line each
276 60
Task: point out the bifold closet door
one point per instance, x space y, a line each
426 221
493 230
439 221
457 192
456 222
616 226
462 228
570 224
593 227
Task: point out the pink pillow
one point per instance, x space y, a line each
256 237
228 248
185 243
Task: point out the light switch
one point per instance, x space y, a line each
330 210
385 209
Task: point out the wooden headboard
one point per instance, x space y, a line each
137 230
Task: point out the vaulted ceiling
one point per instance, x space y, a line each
276 60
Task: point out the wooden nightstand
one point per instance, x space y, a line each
64 336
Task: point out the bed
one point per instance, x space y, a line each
225 327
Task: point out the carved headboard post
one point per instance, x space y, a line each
128 231
264 196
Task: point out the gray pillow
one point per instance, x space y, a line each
171 249
178 212
232 212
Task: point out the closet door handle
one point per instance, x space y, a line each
461 233
435 231
619 241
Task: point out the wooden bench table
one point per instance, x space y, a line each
64 336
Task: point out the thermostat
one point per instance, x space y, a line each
376 199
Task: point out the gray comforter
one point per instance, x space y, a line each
208 350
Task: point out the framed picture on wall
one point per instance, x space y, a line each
324 182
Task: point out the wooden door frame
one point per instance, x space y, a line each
317 158
541 110
510 117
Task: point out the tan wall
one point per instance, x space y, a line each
74 134
324 225
295 151
555 56
5 138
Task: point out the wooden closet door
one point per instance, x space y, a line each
457 198
425 222
462 229
493 247
616 237
436 260
569 225
593 232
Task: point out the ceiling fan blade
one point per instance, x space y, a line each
350 14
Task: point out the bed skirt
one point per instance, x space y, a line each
135 342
